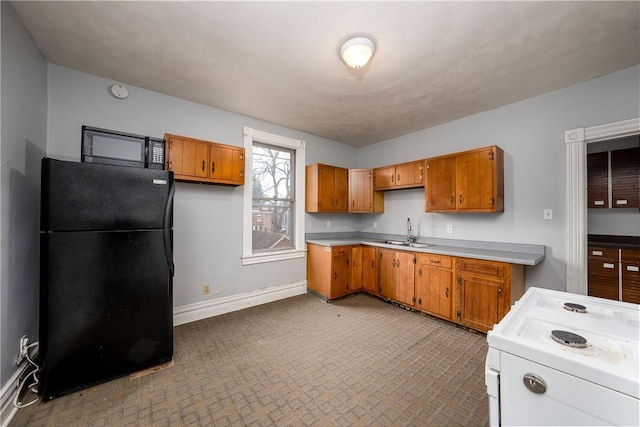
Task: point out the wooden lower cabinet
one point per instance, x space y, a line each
369 269
434 284
396 275
630 275
471 292
485 291
329 270
614 273
603 272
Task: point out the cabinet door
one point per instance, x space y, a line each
474 180
478 298
631 275
369 269
226 164
384 178
404 277
188 158
603 273
387 271
434 292
341 271
409 174
341 189
356 268
625 178
598 180
326 182
440 185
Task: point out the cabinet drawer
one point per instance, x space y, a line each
438 261
604 287
484 268
603 267
631 256
631 283
597 252
340 250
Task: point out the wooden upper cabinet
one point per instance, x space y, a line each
195 160
405 175
598 180
327 188
477 176
440 184
362 198
625 178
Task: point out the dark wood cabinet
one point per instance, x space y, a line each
630 272
598 180
603 272
194 160
625 178
614 273
613 179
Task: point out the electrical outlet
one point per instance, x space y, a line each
24 342
206 290
375 224
450 228
328 224
548 213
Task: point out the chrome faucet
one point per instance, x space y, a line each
410 238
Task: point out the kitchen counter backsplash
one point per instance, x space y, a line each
514 253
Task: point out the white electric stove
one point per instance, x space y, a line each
565 359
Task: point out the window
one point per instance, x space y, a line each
274 202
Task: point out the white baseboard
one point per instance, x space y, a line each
8 394
202 310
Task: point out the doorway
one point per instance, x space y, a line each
576 141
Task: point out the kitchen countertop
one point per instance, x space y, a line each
624 242
492 251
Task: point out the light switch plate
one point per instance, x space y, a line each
548 213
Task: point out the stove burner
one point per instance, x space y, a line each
576 308
569 339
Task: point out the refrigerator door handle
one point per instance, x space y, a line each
167 228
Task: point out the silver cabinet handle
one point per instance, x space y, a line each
534 383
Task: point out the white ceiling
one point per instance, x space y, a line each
278 61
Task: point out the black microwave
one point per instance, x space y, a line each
109 147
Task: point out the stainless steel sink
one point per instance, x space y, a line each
407 244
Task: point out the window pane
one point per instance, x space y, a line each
272 172
273 198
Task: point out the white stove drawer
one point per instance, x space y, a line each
566 400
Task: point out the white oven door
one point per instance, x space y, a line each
563 400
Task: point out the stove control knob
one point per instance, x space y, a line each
534 383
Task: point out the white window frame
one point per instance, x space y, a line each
299 249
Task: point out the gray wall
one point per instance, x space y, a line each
531 133
207 218
23 120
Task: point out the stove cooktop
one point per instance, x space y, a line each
590 338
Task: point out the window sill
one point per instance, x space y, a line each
272 257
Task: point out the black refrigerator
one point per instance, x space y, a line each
106 273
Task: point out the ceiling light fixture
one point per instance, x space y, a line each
357 51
